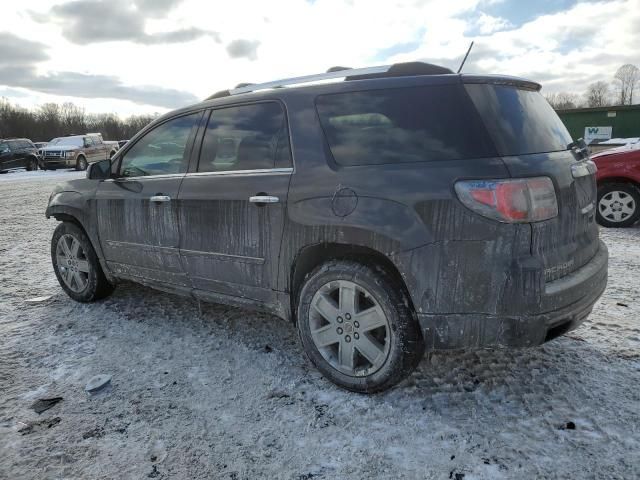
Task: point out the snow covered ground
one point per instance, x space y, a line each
216 392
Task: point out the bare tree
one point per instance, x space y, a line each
597 94
563 100
52 120
627 77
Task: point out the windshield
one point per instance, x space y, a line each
73 141
519 121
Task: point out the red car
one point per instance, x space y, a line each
618 180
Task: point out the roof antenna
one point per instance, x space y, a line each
465 57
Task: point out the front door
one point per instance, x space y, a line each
232 206
6 156
137 211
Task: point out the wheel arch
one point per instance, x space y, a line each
311 257
67 214
607 180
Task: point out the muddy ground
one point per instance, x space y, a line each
208 391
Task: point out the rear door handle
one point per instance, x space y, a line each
160 198
263 199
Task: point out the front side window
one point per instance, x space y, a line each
161 151
245 137
401 125
4 147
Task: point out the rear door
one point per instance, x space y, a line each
91 149
16 159
232 205
137 211
533 141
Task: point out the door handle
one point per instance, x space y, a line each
263 199
160 198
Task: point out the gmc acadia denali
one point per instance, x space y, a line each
394 210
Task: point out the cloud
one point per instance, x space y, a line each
95 21
18 59
487 24
243 48
18 51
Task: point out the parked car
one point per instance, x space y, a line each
40 144
618 180
18 153
76 151
404 208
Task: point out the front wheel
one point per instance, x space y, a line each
32 164
81 163
76 264
356 327
618 205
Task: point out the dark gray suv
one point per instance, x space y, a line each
394 210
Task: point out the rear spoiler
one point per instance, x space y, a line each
502 80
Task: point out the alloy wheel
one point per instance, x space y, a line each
72 262
349 328
616 206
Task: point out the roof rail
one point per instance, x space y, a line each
311 78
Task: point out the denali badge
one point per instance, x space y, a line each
560 269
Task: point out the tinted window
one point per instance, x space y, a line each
163 150
246 137
4 147
519 121
402 125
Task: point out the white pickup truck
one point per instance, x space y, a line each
76 151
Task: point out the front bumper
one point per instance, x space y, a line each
565 304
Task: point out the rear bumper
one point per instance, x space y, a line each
564 305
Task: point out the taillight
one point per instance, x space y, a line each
512 201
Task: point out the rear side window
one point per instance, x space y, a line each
519 121
401 125
245 137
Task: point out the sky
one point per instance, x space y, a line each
148 56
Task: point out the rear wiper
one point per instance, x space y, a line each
580 146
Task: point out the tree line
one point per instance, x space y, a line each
52 120
602 94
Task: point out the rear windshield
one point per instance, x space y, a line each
519 121
402 125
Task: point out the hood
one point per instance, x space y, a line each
610 156
57 148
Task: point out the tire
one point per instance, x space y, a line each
32 164
80 275
81 163
358 356
618 205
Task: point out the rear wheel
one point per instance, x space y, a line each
76 264
618 205
81 163
356 328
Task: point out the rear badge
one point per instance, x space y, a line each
558 270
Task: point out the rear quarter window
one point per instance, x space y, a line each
415 124
519 121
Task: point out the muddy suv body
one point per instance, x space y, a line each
76 151
403 208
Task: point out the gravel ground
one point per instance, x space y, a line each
208 391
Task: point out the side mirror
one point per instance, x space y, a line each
100 170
